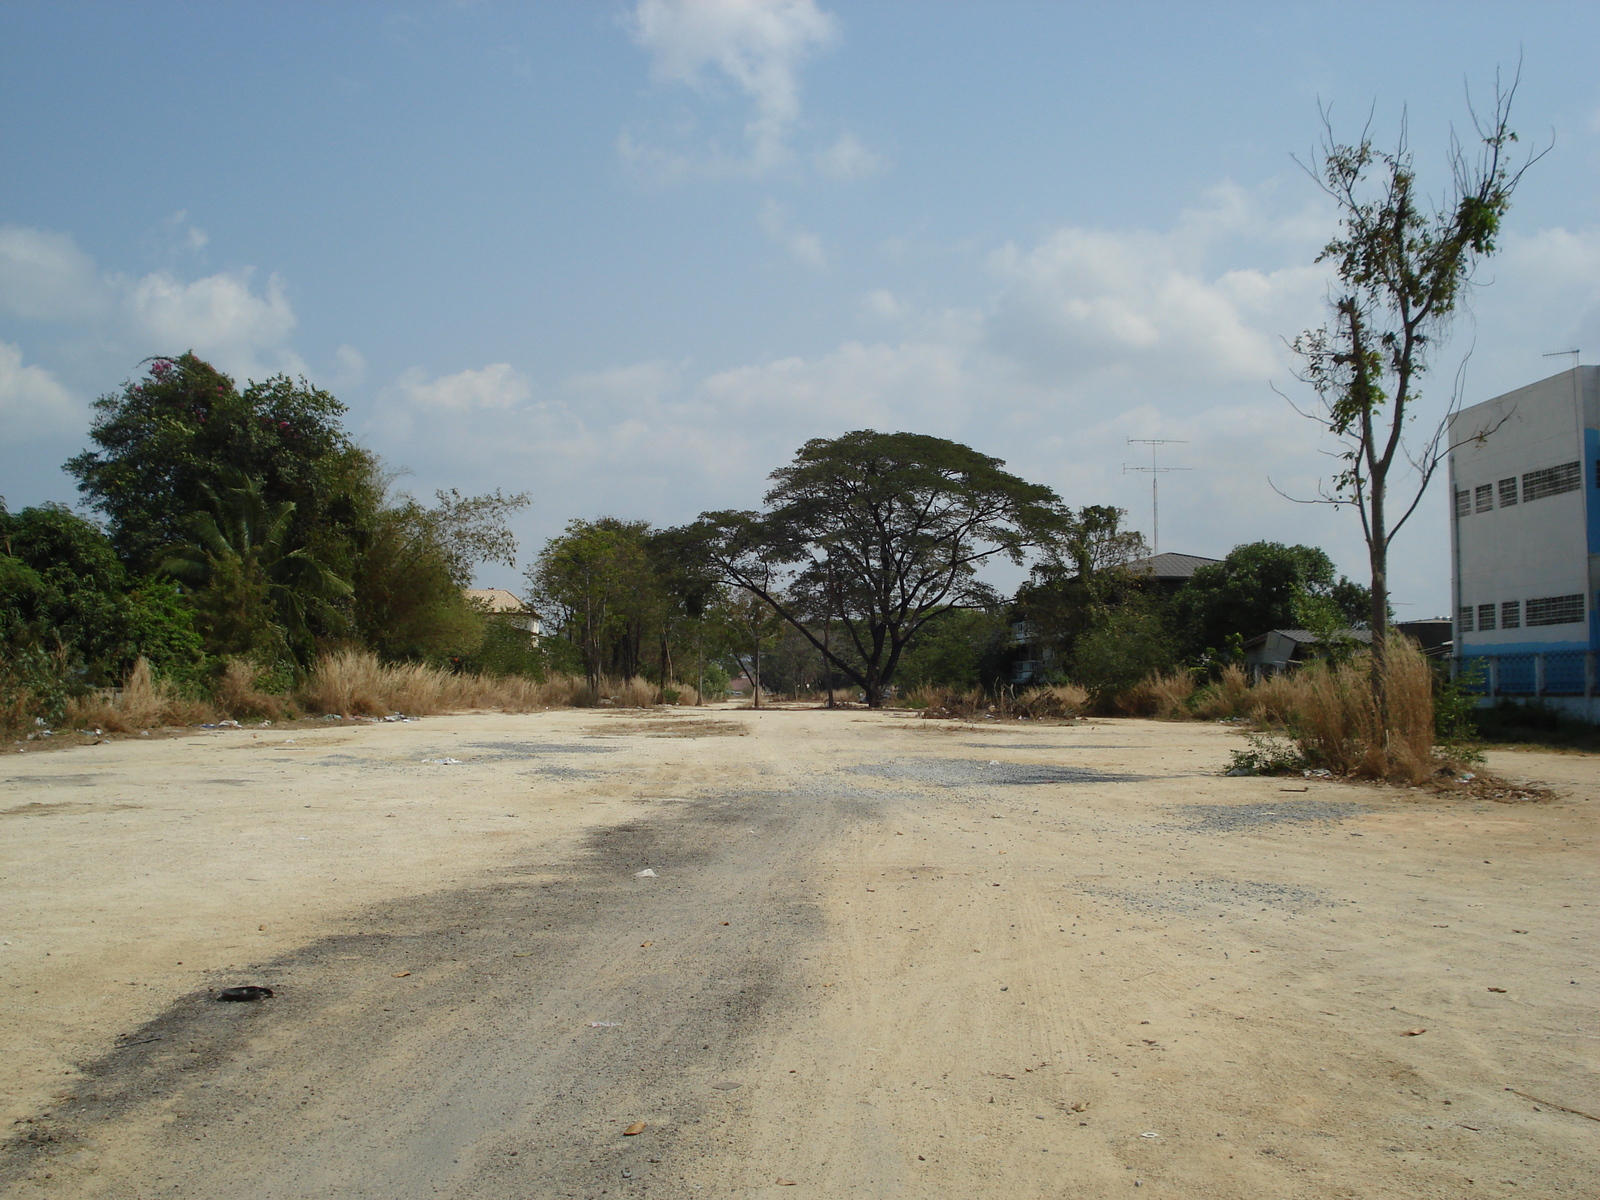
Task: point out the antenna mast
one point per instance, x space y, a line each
1155 474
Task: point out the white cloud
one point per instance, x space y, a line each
495 386
32 403
45 276
757 46
635 384
189 237
847 159
884 304
1143 304
218 317
349 367
798 241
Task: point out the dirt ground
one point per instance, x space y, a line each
877 957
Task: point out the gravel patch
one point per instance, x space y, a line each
972 772
1197 895
1231 818
534 749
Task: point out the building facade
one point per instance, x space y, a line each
1525 541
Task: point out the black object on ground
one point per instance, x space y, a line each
250 992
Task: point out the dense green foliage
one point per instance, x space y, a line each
239 524
1261 586
620 598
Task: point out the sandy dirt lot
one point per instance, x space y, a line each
878 957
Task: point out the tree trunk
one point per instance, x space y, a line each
755 684
1378 558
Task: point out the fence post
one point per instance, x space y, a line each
1588 673
1492 681
1538 674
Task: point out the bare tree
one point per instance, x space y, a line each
1403 267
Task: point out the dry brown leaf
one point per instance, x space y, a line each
786 1183
401 974
642 945
636 1128
1415 1032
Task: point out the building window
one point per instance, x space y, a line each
1485 618
1555 610
1463 503
1511 614
1552 481
1508 492
1464 619
1484 495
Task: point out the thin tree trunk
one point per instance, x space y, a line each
1378 558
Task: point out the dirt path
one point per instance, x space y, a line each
878 957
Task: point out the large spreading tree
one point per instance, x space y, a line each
877 536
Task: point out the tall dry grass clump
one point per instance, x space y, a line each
1276 699
1163 695
237 692
1060 700
349 683
143 702
354 683
1331 716
1226 696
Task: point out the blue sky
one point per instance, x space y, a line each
629 256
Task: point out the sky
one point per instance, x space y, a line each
629 257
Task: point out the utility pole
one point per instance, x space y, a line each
1155 474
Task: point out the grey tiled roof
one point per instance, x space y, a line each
1306 638
1169 565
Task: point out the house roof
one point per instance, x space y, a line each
1169 565
1306 638
496 600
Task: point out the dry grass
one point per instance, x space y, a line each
237 694
1061 701
143 702
354 683
1331 715
1228 696
1163 696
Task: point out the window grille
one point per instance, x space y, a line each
1485 618
1511 614
1555 610
1463 503
1552 481
1508 492
1484 495
1464 619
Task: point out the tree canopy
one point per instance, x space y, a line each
882 533
184 428
1261 586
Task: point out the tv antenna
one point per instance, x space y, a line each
1563 354
1155 474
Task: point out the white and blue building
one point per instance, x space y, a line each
1525 541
